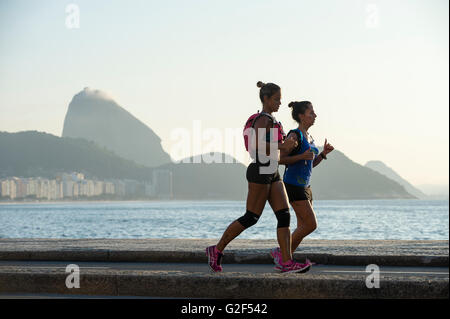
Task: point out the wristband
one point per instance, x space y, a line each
323 156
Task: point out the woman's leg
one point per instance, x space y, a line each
256 200
306 221
279 203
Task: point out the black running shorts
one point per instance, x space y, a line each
296 193
253 175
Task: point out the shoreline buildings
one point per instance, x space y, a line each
74 185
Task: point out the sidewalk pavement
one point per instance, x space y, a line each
128 267
330 252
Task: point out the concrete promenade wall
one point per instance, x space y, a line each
337 252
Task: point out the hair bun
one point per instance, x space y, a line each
260 84
291 104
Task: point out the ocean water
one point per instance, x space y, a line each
336 219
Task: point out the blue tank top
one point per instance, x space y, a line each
299 173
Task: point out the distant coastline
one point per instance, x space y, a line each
3 202
188 200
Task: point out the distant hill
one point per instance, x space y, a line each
94 116
32 153
338 177
208 181
382 168
435 191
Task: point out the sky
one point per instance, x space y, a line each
375 71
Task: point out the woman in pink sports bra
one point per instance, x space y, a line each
263 188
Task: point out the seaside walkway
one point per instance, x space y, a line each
177 268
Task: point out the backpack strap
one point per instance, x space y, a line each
259 115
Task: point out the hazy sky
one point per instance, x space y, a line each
376 71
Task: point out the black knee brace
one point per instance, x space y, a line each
249 219
284 217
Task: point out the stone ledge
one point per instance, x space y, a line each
339 252
179 284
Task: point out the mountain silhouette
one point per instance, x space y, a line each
339 177
38 154
382 168
96 117
33 154
194 179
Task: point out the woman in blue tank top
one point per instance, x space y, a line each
299 164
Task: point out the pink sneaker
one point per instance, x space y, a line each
310 262
214 258
277 258
293 266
